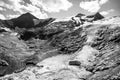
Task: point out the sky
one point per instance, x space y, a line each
58 8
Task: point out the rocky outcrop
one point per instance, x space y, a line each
69 42
13 53
24 21
95 17
89 18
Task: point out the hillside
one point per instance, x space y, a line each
80 48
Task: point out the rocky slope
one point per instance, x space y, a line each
80 48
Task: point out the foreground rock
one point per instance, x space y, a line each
13 53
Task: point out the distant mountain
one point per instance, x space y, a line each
96 16
28 26
44 22
6 23
88 18
28 21
24 21
80 15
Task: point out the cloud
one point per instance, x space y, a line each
2 9
12 16
92 5
56 5
107 12
38 8
53 5
2 16
103 1
19 7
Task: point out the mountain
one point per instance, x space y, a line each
53 50
80 15
24 21
81 18
27 25
28 21
96 16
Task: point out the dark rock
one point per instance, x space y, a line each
69 42
14 64
44 22
2 30
13 54
80 15
106 64
24 21
75 63
3 63
98 16
27 35
57 28
6 23
95 17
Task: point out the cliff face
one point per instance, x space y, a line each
61 50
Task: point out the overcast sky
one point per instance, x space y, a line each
58 8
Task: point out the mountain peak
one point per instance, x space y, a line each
25 20
79 15
28 15
96 16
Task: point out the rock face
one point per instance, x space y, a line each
24 21
95 17
12 54
28 21
90 18
60 50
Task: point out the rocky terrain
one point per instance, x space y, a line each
80 48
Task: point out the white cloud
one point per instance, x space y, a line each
12 16
37 7
6 4
56 5
103 1
33 10
2 16
16 6
106 12
92 5
2 9
53 5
